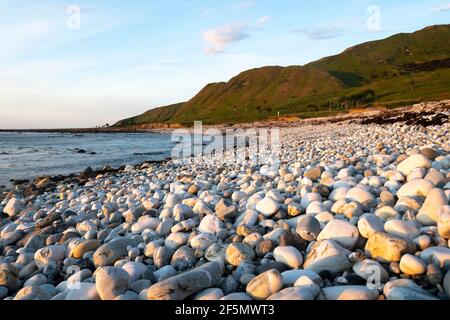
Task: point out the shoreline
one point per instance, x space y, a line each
364 116
427 114
46 183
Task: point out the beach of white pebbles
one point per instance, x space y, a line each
354 212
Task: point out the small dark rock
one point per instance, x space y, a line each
281 267
326 275
264 247
354 279
288 238
87 173
429 153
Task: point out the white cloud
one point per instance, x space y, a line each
321 32
219 38
441 8
263 20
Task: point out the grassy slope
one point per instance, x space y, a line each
252 94
158 115
384 58
315 89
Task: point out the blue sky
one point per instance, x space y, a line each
117 58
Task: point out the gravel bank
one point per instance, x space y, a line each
353 212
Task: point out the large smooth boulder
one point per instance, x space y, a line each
32 293
83 247
288 255
444 222
360 195
13 207
202 241
265 285
211 294
46 255
238 253
267 206
295 293
405 289
145 222
349 293
405 230
84 291
412 265
112 251
412 162
439 256
342 232
308 228
446 284
111 282
327 255
9 277
428 213
386 248
210 224
368 224
290 277
415 188
188 283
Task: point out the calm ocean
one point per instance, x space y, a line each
29 155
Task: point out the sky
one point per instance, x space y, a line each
83 63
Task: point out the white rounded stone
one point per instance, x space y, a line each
444 222
211 294
422 241
342 232
134 270
53 253
289 256
202 241
308 198
111 282
327 255
419 187
361 196
267 206
145 222
210 224
350 293
412 162
439 256
265 285
290 277
368 224
387 213
406 230
428 214
412 265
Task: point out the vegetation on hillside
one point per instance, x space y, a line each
402 69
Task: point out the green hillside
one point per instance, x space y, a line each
158 115
402 69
